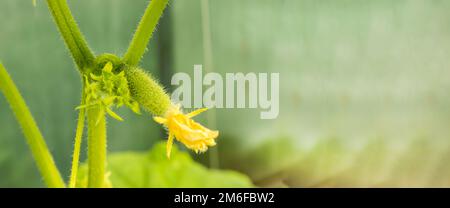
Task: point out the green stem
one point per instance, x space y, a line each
96 146
34 138
77 145
144 32
74 39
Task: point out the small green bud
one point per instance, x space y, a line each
101 60
147 91
108 89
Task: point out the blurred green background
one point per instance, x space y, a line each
363 86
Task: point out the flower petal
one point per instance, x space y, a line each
196 112
159 120
169 145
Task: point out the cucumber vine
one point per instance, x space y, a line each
108 81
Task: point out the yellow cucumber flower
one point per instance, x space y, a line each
154 99
186 130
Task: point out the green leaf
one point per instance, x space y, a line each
153 169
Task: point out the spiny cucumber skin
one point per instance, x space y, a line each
147 91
